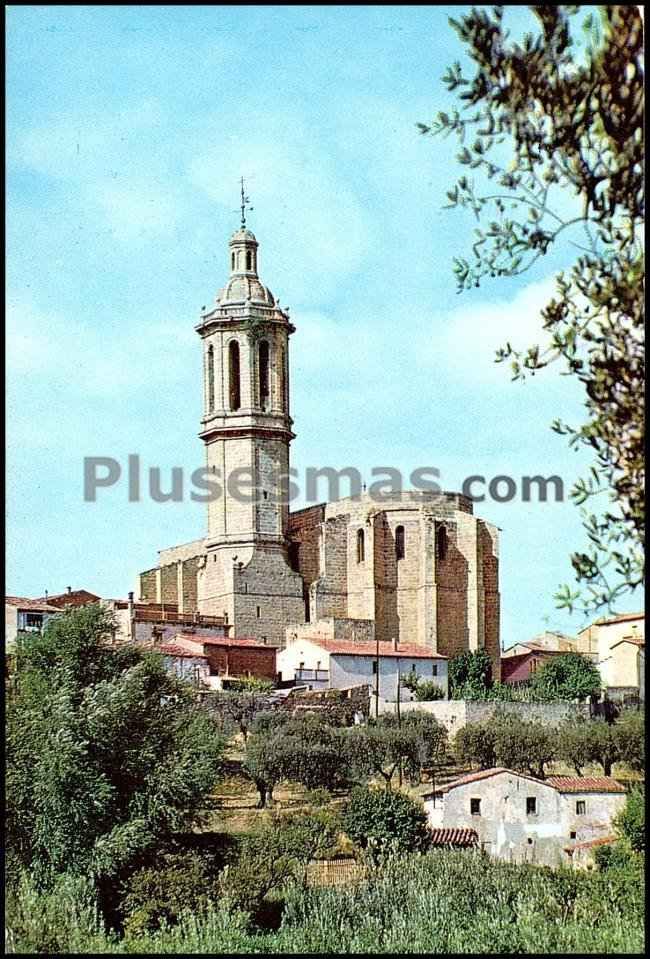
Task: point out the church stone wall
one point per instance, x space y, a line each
148 586
268 594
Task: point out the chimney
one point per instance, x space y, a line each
69 589
46 595
394 645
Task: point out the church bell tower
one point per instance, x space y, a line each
246 428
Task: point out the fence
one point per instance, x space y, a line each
334 872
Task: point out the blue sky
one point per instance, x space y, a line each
128 128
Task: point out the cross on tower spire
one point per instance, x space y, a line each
245 201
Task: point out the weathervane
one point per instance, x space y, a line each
245 201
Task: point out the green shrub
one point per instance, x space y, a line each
381 818
630 822
160 893
428 691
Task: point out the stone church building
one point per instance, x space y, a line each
417 567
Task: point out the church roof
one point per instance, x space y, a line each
243 236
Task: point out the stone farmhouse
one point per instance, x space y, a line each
521 819
419 566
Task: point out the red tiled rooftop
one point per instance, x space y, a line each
621 618
634 640
223 641
36 605
585 784
76 597
563 784
591 843
172 649
454 837
404 650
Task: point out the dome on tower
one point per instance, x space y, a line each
242 287
243 236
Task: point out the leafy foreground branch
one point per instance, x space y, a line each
458 902
552 139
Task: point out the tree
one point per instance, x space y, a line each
630 822
574 745
107 753
304 750
239 707
414 743
572 121
566 676
278 850
470 675
378 817
475 743
523 745
630 734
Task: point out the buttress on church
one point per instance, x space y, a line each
416 568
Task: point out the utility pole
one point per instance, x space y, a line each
377 678
399 717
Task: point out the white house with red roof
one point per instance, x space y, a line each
522 819
617 645
329 660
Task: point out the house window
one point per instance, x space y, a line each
264 374
399 543
441 542
361 547
531 806
33 620
475 807
572 834
210 379
434 669
581 807
374 667
233 371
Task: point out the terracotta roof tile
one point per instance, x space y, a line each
454 837
404 650
222 641
77 597
585 784
591 843
622 618
172 649
37 605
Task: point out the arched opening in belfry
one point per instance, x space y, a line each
361 546
263 370
400 544
232 260
233 375
249 259
210 379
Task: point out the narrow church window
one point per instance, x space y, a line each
399 543
259 612
233 371
232 261
249 260
264 374
361 547
441 543
210 379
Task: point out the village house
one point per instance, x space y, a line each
328 655
522 819
616 644
25 615
71 598
145 623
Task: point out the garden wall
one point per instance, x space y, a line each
456 713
